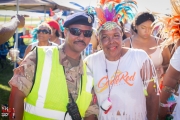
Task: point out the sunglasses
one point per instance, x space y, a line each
77 32
44 31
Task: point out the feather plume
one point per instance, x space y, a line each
110 10
126 10
100 15
169 29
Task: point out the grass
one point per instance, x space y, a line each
5 75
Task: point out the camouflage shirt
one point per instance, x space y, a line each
24 75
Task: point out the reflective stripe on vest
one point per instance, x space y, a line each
49 97
46 113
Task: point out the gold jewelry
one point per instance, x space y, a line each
109 26
168 89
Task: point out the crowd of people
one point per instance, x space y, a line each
132 73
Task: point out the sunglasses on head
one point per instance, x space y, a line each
77 32
44 31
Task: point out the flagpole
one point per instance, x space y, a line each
16 38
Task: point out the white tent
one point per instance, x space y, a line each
27 5
30 14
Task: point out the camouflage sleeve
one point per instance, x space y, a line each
93 108
24 74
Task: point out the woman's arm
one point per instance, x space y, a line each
166 56
171 79
149 76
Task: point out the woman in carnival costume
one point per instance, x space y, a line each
170 32
56 23
125 81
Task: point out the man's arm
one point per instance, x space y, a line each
7 30
93 110
21 84
91 117
16 101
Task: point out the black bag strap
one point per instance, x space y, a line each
65 115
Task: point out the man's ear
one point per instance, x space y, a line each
65 33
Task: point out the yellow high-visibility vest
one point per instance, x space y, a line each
49 96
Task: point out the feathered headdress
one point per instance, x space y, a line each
175 7
169 26
111 13
102 2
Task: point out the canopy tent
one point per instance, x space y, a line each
77 5
32 5
30 14
27 5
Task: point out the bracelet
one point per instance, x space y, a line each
168 89
166 105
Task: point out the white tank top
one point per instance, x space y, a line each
127 92
156 56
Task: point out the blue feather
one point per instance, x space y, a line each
81 7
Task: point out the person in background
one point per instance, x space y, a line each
7 30
171 83
142 39
52 79
171 35
127 31
55 35
43 32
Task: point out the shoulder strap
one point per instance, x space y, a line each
65 115
157 40
130 39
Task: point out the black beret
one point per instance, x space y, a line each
82 18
